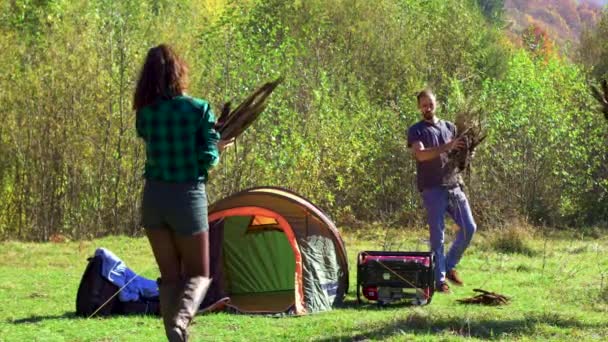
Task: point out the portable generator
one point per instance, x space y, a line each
387 277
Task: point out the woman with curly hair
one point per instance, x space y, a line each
181 146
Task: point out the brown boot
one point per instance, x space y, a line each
193 293
443 288
453 277
168 296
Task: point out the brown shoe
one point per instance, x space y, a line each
443 288
453 277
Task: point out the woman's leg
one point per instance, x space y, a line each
188 219
195 254
166 253
195 261
170 284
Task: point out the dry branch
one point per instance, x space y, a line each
233 123
469 127
486 298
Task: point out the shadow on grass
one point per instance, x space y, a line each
417 323
38 319
68 315
374 306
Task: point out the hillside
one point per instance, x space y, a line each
563 20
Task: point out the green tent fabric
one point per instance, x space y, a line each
256 261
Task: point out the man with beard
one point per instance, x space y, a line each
430 140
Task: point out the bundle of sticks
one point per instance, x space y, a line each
233 123
469 128
486 298
601 96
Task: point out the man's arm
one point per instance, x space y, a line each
425 154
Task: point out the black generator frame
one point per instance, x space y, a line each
367 270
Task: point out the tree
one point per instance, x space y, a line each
493 10
593 51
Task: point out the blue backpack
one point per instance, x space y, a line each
98 297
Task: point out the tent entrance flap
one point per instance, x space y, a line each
259 264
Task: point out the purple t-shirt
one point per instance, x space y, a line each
435 172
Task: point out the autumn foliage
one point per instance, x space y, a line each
562 20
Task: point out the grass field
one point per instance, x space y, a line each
558 285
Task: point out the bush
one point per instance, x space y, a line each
513 240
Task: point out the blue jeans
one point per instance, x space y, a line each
438 201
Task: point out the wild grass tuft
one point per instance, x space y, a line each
514 239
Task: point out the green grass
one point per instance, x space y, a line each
558 287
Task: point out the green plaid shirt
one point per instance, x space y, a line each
181 143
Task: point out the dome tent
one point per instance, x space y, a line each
272 251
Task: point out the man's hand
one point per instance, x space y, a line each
223 144
456 144
424 154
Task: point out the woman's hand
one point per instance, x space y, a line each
223 144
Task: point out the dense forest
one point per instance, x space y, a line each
334 130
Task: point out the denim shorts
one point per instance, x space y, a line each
180 207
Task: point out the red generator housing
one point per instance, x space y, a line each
387 277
